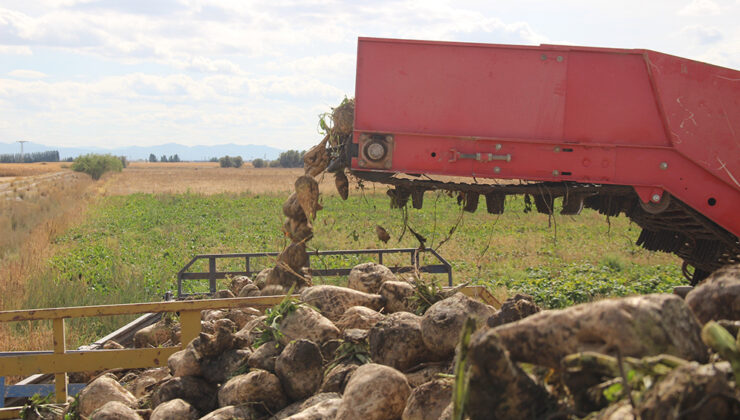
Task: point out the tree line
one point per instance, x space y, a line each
49 156
164 158
287 159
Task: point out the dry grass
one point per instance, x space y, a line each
206 178
209 178
28 202
171 165
30 218
13 170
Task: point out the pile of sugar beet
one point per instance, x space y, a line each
375 350
387 347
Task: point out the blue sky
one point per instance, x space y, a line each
197 72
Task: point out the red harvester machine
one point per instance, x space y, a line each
653 136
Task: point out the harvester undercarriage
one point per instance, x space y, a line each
669 226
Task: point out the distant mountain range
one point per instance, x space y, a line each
247 152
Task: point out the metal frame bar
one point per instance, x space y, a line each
212 274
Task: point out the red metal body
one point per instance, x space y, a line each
555 113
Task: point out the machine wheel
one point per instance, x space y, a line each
659 207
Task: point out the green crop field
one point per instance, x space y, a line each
145 239
129 248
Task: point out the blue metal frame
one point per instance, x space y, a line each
26 391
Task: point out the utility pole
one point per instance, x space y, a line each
21 142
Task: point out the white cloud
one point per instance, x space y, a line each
331 64
174 88
723 53
700 8
295 85
15 50
703 34
185 39
27 74
445 21
206 65
710 44
142 108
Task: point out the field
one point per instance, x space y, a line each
142 225
203 178
14 170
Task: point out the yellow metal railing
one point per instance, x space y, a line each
62 361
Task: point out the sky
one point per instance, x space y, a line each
112 73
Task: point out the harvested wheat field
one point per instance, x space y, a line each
202 178
13 170
208 178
